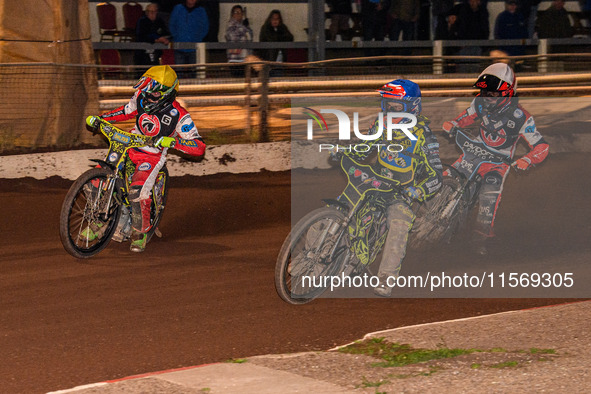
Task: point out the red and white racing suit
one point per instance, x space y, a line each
171 121
500 130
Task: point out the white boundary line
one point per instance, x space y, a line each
79 388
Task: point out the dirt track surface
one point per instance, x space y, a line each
205 292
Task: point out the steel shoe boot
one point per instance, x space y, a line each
478 243
382 289
138 242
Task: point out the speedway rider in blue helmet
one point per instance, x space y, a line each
418 168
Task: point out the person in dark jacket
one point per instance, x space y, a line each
472 24
374 21
510 25
151 29
447 28
472 21
274 30
554 22
340 13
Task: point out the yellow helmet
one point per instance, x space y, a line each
159 86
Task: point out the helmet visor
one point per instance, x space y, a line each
489 83
393 106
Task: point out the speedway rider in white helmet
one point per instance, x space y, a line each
502 122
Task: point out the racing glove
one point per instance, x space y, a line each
414 193
335 155
522 164
92 123
165 142
449 127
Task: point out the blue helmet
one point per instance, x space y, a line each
401 91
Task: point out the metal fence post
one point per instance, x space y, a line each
201 58
437 52
247 80
264 104
543 59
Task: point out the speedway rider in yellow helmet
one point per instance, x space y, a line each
157 114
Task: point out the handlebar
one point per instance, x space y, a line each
114 133
468 133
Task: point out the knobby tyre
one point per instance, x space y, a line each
159 197
306 253
85 227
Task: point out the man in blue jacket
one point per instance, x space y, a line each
188 23
510 25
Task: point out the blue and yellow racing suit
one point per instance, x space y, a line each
417 166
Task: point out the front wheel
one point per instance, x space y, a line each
89 214
432 225
314 250
159 197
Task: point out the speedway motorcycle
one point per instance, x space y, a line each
441 217
342 238
96 209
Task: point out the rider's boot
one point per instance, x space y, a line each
140 222
479 243
138 241
382 289
400 219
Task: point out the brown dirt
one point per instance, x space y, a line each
205 292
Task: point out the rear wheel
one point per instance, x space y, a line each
308 256
89 214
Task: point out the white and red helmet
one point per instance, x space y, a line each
498 77
497 80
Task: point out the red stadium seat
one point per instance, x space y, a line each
107 19
132 12
110 57
167 57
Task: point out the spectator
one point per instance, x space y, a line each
374 19
212 8
404 14
188 23
440 12
152 29
586 8
447 29
374 14
165 7
510 24
472 24
554 22
529 9
340 13
274 30
472 21
238 31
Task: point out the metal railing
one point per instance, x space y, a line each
544 49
